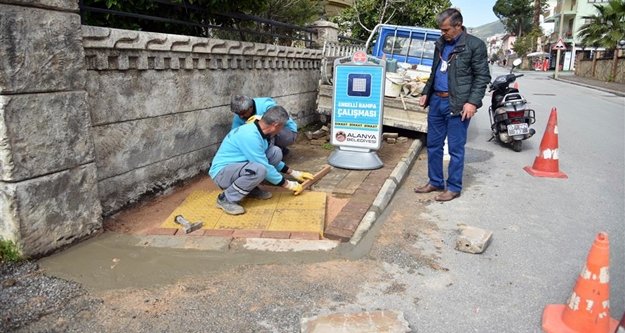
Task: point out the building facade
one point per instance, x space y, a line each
571 15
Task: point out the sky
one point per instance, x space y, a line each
476 12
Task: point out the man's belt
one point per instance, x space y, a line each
441 93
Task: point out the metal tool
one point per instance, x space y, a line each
186 225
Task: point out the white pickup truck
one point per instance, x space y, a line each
410 50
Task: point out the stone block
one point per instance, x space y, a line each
126 146
305 235
43 214
41 50
125 95
247 233
473 240
126 188
385 195
43 133
365 225
392 135
389 321
67 5
116 96
400 172
318 142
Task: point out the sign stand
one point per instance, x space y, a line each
357 112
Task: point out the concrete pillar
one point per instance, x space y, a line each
48 183
325 31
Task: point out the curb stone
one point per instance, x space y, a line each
387 192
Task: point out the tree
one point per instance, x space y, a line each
605 29
518 15
527 43
364 15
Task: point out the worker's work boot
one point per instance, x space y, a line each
229 207
257 193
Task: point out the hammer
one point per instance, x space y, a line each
186 225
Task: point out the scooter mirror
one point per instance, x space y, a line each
517 62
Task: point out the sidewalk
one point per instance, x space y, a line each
611 87
355 198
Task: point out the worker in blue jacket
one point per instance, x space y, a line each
246 157
246 108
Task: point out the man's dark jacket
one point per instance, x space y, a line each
467 72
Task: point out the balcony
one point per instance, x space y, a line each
567 37
555 15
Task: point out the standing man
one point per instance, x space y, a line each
246 108
454 92
246 158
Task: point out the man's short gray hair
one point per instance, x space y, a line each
454 16
275 115
240 103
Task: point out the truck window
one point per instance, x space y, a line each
418 45
395 45
402 46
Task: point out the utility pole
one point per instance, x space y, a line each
559 37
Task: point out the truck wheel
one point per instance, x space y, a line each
517 146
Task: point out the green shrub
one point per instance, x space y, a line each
9 251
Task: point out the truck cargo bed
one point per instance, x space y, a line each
412 118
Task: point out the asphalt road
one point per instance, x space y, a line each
543 228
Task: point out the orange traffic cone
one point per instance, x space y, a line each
588 308
621 325
547 164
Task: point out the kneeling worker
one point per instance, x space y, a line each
245 108
246 158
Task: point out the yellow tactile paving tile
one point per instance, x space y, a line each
296 220
253 219
198 206
283 212
305 201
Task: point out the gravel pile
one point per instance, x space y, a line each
26 294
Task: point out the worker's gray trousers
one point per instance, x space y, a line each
239 179
286 137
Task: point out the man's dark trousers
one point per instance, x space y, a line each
442 124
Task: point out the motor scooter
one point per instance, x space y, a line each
510 116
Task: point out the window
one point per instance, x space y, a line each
396 45
402 46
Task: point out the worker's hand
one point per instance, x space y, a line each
301 176
423 99
294 186
468 111
252 119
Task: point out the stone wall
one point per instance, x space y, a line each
160 104
603 69
92 119
48 183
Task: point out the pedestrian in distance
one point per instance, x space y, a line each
246 157
249 109
453 93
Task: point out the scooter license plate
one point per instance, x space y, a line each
518 129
